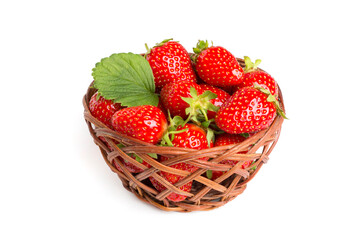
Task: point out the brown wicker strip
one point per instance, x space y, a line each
206 194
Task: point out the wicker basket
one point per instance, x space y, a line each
205 194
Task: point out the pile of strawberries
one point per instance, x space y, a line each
206 99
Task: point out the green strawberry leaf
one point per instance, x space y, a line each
245 135
210 136
209 174
249 65
120 145
206 124
125 78
201 46
153 155
137 158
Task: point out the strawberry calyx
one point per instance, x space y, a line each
272 99
210 132
169 135
199 105
148 50
163 42
200 46
249 65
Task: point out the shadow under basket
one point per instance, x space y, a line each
205 194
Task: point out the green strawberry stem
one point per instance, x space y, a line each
249 65
148 50
271 98
166 140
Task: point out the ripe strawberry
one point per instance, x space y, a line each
248 110
103 109
175 197
221 98
193 137
217 66
146 123
228 139
170 62
171 97
253 75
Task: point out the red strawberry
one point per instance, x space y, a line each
217 66
146 123
171 97
253 75
248 110
228 139
170 62
221 98
175 197
103 109
194 137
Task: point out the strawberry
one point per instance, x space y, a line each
170 62
248 110
103 109
171 97
228 139
217 66
187 136
221 98
145 122
253 75
172 178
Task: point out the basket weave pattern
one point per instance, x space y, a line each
206 194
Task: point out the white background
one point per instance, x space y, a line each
53 181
